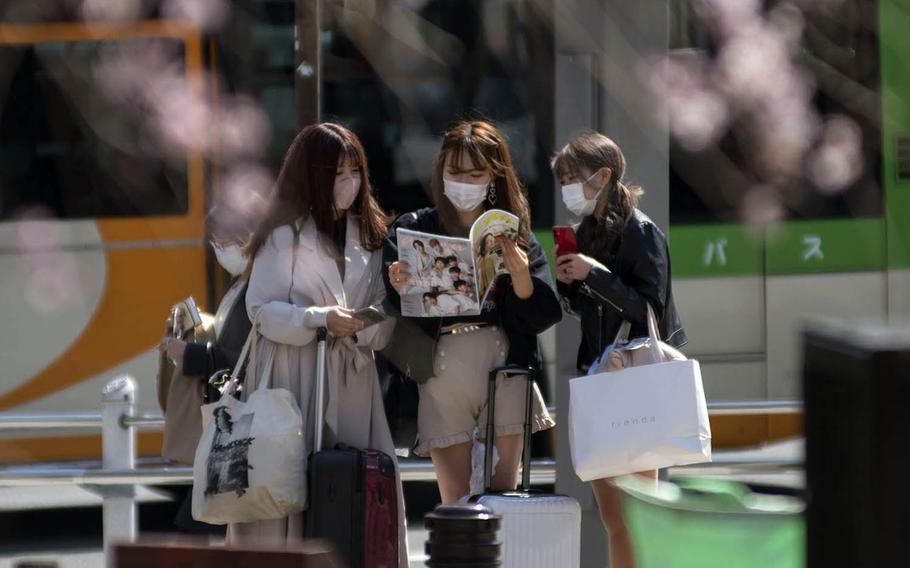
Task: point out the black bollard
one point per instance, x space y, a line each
857 401
462 536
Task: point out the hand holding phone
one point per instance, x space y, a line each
370 315
185 316
564 237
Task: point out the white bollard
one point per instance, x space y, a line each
118 399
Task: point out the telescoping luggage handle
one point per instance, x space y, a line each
529 374
319 414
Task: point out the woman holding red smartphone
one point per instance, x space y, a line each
622 265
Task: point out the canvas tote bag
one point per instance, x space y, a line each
643 408
249 463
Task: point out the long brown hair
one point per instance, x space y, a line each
305 187
488 151
599 233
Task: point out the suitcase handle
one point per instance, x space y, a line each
530 374
319 418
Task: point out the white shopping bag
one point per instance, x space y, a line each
639 418
250 461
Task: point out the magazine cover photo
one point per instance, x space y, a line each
442 276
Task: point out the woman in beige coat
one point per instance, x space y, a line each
316 260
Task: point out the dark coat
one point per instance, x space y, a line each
638 272
521 319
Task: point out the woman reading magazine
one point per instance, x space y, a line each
474 174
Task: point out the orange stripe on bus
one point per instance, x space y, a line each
95 31
141 287
743 431
66 448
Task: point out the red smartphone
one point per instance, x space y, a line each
564 237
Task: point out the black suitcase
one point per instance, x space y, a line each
352 492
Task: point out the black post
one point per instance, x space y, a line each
463 536
308 59
856 385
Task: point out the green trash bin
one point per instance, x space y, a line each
707 522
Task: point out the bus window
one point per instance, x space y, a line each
68 147
837 57
401 76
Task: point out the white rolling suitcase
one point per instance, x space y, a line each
539 530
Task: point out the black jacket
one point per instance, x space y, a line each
639 272
202 360
521 319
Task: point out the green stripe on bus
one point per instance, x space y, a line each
707 251
894 41
792 247
842 245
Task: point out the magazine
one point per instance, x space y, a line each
452 276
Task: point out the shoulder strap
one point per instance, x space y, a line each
296 246
249 350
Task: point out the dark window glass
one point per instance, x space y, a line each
256 58
837 56
67 147
401 73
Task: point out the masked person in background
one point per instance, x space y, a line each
231 322
198 360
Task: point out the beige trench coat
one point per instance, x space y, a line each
289 308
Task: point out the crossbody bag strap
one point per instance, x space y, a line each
248 350
265 377
294 249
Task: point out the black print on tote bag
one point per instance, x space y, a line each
228 464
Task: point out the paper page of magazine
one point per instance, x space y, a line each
487 252
442 275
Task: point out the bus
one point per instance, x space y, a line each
98 236
101 229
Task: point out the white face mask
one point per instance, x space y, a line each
464 196
346 192
573 195
231 258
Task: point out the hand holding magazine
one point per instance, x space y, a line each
452 276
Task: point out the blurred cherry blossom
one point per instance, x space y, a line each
243 128
245 187
111 10
761 205
53 273
206 14
837 161
753 94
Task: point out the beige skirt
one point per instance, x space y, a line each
453 402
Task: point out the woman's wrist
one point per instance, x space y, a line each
522 285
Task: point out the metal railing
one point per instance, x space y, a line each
119 475
64 421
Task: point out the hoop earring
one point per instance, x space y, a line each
491 193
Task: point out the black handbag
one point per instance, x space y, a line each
213 387
400 398
411 349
